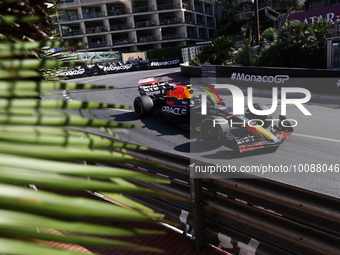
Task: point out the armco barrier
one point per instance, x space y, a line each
315 80
243 215
191 71
115 67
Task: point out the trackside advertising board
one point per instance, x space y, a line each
115 67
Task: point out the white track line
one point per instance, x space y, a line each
319 138
122 110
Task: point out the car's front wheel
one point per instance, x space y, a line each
213 130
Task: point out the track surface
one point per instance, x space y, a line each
316 138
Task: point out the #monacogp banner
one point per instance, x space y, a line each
115 67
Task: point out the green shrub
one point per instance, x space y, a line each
298 45
218 52
165 52
270 34
195 62
247 56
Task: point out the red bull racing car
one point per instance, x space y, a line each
178 105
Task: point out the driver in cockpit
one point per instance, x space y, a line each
180 92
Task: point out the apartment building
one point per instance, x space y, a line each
130 25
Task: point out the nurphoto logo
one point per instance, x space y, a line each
239 101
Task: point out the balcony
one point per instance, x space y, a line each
145 24
200 23
143 9
123 41
72 32
210 24
170 21
68 1
68 18
93 15
203 37
92 30
187 7
172 36
98 45
120 27
118 12
167 7
192 36
148 39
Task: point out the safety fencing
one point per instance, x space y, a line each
115 67
242 215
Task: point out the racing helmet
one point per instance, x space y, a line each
181 91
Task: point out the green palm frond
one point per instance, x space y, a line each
219 51
41 143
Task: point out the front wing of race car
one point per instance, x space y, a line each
260 138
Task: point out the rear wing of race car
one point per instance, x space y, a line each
149 84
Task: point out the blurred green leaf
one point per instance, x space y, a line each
74 169
55 104
19 220
42 202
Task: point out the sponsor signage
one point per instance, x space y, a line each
259 78
328 13
165 63
91 70
174 110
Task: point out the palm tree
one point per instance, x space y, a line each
289 6
298 45
40 145
219 51
229 24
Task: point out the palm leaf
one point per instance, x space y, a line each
74 169
42 202
19 220
38 136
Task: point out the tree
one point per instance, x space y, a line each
289 6
229 25
298 45
219 51
37 138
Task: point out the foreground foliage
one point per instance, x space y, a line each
37 137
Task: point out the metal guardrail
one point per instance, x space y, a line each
253 215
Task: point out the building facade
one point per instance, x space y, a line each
131 25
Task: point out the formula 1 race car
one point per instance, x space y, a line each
177 105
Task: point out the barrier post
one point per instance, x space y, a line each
197 202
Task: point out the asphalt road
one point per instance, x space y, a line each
316 138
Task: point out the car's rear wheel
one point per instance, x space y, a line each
213 130
143 106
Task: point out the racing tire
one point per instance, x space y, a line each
143 106
252 116
213 135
